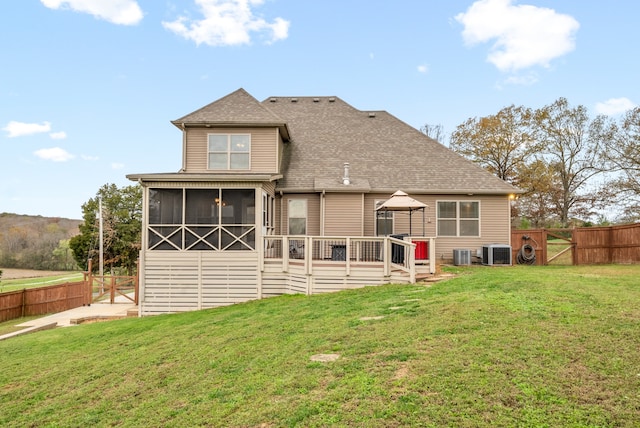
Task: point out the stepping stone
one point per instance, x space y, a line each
325 358
379 317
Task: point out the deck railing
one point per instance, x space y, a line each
386 253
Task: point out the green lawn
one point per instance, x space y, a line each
520 346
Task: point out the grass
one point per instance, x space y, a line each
7 327
22 283
520 346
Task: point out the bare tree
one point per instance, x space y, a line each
434 131
572 143
623 152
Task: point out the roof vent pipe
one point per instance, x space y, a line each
345 179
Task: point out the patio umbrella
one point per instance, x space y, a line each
400 201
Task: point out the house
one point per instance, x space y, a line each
280 196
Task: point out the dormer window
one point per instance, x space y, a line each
229 152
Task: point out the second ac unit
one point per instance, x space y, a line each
496 254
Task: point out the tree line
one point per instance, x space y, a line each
572 168
36 242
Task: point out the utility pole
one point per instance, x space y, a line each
101 239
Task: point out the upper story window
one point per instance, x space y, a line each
458 218
229 151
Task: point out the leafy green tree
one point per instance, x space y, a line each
501 143
63 256
122 227
540 182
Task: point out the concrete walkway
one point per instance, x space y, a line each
122 308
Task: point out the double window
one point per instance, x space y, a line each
458 218
229 151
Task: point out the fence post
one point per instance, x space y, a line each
112 286
24 302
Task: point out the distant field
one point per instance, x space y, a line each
8 273
17 279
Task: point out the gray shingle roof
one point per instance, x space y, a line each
237 108
384 153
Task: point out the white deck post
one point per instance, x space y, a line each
285 254
432 260
387 256
412 262
347 256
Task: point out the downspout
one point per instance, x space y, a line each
281 214
362 216
322 208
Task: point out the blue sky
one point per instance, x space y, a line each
88 87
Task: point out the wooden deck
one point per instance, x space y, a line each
177 281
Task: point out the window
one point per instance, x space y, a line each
214 219
268 210
297 216
229 151
458 218
384 221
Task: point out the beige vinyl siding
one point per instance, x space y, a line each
343 214
269 187
264 148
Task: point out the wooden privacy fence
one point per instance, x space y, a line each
43 300
62 297
588 245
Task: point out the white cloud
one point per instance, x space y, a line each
524 80
524 35
55 154
19 129
58 135
123 12
614 106
227 23
117 165
423 68
89 157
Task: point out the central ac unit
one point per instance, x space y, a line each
461 257
496 254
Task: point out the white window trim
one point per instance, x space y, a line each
229 152
457 235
